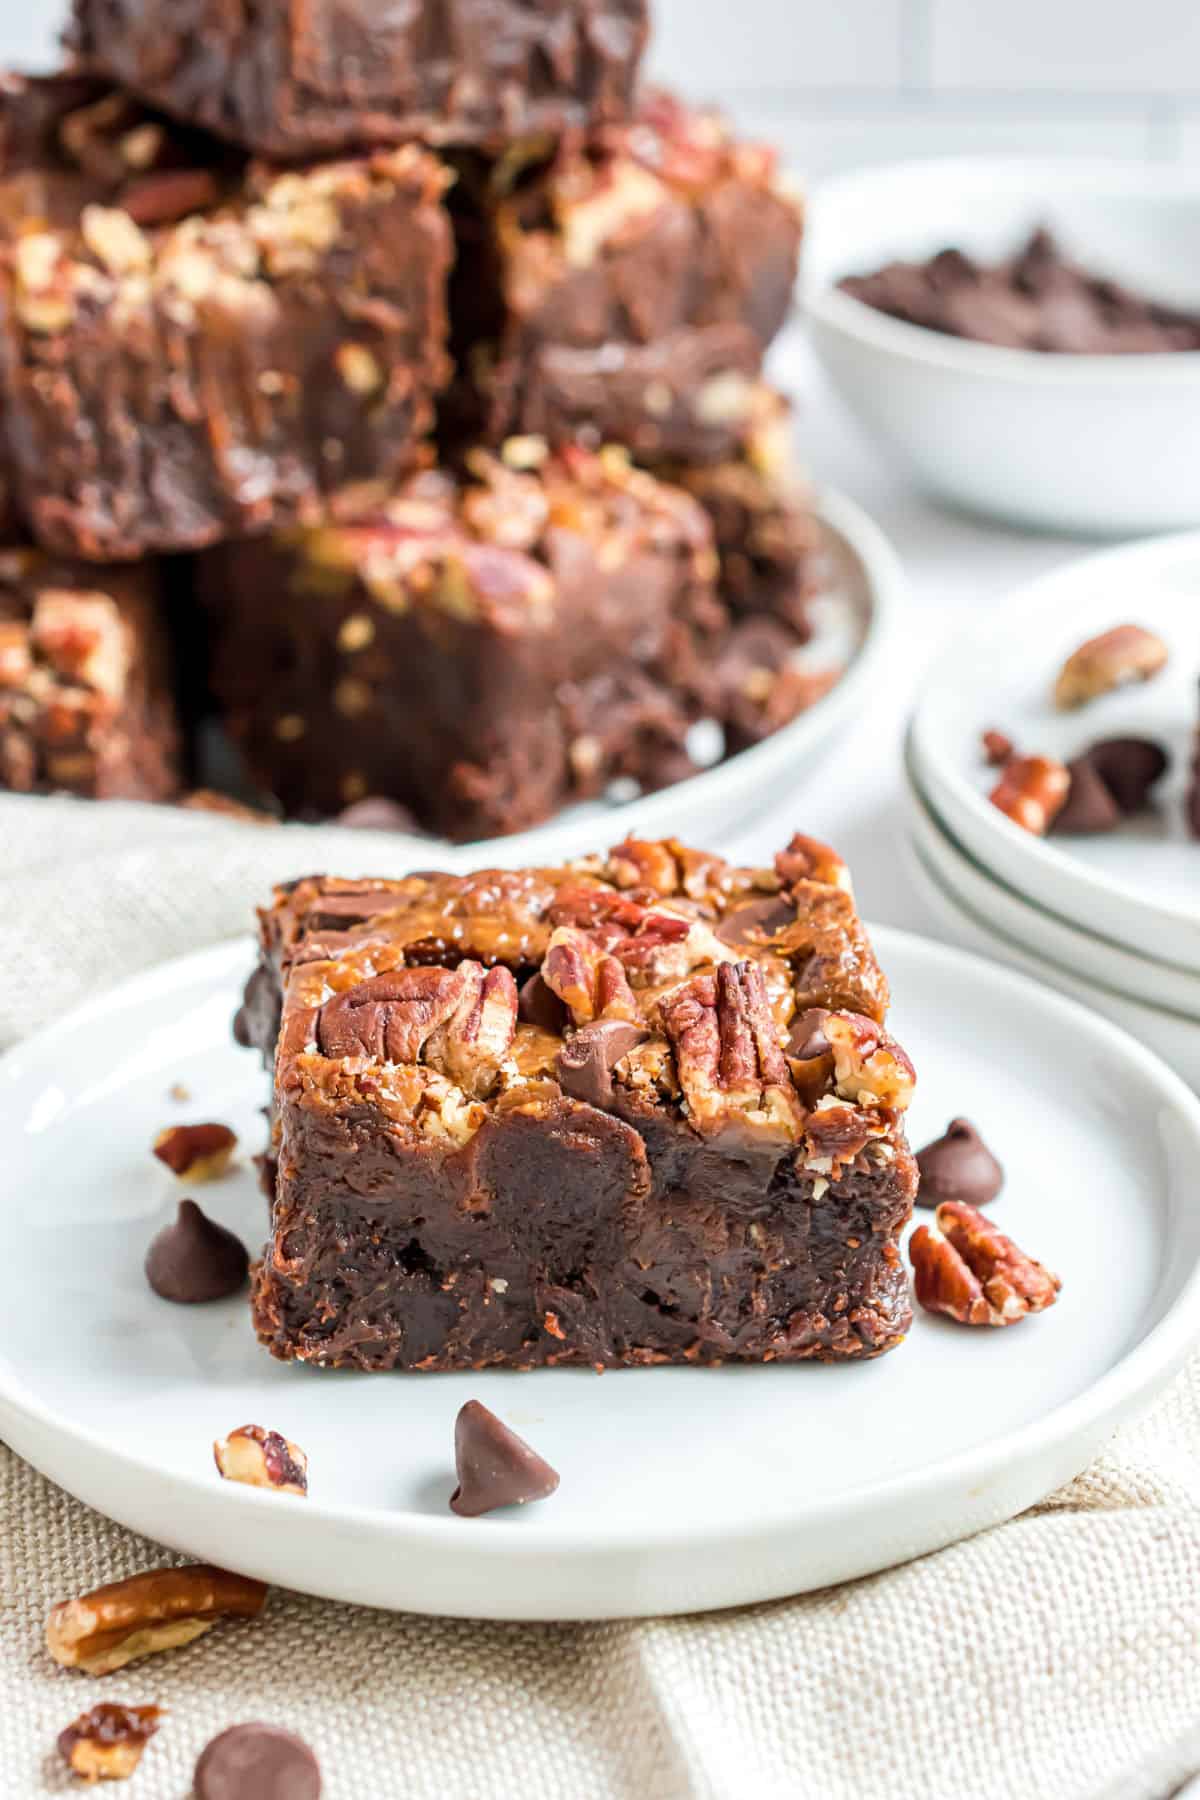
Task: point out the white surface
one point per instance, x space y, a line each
681 1489
1007 910
942 890
1139 885
1102 45
1101 444
714 46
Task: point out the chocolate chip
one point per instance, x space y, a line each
257 1762
539 1005
588 1058
958 1166
195 1259
495 1467
1129 768
241 1029
1089 807
750 926
806 1039
377 813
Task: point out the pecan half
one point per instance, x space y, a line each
1032 791
1124 654
196 1152
106 1743
160 1610
807 859
474 1041
731 1067
589 982
389 1017
964 1267
262 1459
869 1066
639 863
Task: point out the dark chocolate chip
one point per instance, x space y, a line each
377 813
495 1467
1129 768
194 1259
958 1166
241 1029
806 1039
257 1762
1089 807
588 1058
753 924
539 1005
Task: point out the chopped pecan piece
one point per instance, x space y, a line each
967 1269
807 859
637 863
732 1069
106 1743
997 748
262 1459
196 1152
869 1066
389 1017
590 983
1124 654
473 1043
1032 791
160 1610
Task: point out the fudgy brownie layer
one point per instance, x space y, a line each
190 349
304 77
625 291
85 699
639 1109
478 650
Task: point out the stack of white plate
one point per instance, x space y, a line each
1113 920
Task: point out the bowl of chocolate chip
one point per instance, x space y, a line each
1023 335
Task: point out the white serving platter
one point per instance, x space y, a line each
1140 885
681 1488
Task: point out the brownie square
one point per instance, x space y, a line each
634 282
639 1109
302 77
85 698
192 348
478 649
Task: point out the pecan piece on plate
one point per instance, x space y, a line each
162 1609
967 1269
106 1743
1124 654
196 1152
1032 791
732 1069
264 1459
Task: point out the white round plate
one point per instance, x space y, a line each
1176 1040
1139 885
1093 959
681 1488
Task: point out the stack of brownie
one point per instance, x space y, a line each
381 396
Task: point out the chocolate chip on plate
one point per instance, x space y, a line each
194 1259
1089 807
495 1467
1129 767
958 1166
257 1762
588 1058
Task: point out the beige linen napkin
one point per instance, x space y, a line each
1058 1655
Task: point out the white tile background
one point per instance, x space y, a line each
843 82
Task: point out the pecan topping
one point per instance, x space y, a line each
1124 654
473 1043
807 859
589 982
652 944
869 1066
967 1269
1032 791
389 1017
731 1068
262 1459
106 1743
637 864
196 1152
160 1610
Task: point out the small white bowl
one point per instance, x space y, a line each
1104 445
